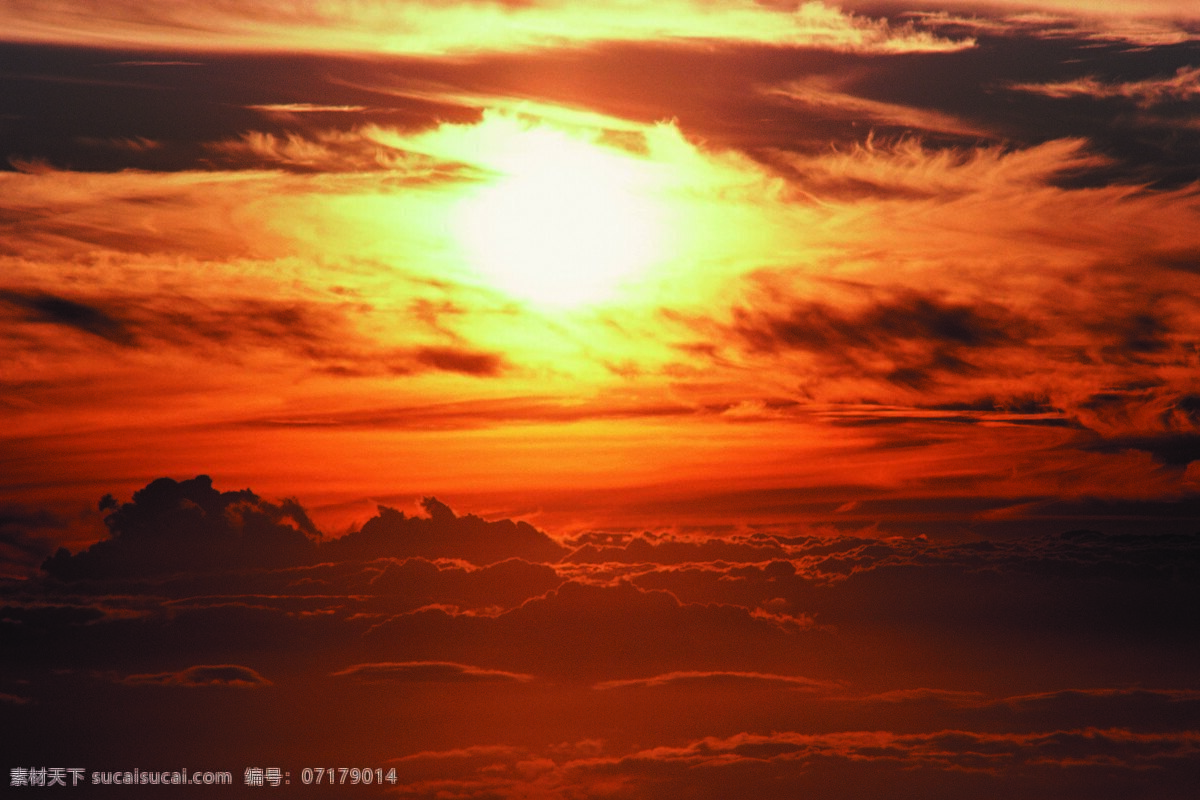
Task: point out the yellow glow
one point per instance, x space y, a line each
565 222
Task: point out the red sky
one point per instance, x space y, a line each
816 391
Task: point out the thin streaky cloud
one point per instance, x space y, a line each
426 671
219 675
1183 86
713 678
305 108
815 94
417 28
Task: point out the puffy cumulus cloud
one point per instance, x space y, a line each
172 526
778 661
423 29
443 534
427 672
188 528
1021 595
226 675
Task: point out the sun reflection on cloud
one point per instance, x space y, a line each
564 222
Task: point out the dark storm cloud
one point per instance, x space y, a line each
83 317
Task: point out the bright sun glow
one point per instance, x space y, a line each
565 223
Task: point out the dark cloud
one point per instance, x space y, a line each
416 582
774 661
1017 405
641 549
176 527
322 336
469 362
445 535
26 537
427 672
55 310
1170 449
835 763
586 632
188 527
228 675
66 98
911 340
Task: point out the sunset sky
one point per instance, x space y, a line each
810 394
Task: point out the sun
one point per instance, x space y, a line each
565 222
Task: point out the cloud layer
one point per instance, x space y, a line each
687 399
786 662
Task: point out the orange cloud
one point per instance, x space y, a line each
712 678
461 27
1182 86
426 671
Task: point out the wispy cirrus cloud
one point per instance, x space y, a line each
824 97
1145 23
1183 86
418 28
